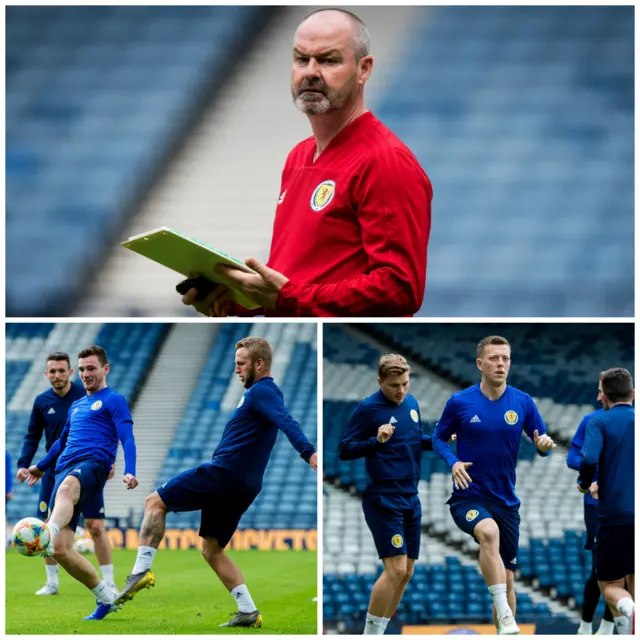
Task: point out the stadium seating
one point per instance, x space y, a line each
131 348
523 119
551 559
288 499
558 361
289 496
446 588
95 102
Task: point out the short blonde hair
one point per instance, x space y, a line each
258 348
392 364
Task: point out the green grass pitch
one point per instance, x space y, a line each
188 597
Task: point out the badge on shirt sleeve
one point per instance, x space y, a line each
414 415
323 195
240 403
511 417
96 405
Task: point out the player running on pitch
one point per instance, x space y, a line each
224 488
609 447
488 419
591 588
385 429
48 417
83 458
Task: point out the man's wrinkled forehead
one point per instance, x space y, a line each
323 32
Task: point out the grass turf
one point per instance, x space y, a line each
188 597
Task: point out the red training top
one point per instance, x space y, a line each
351 229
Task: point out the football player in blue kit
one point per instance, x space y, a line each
224 488
385 429
489 419
48 417
83 457
609 448
591 588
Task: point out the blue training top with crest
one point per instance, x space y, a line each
94 426
488 435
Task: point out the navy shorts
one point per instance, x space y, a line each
395 522
221 496
614 552
591 524
93 508
468 511
92 476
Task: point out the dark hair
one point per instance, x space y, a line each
361 37
617 385
94 350
490 340
59 356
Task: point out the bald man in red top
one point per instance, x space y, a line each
353 218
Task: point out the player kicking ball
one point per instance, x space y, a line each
83 458
224 488
49 417
488 419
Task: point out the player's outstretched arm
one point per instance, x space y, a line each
362 438
270 403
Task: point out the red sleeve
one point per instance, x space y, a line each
392 196
243 312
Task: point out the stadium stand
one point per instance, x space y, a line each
521 116
447 587
131 349
288 499
96 101
289 496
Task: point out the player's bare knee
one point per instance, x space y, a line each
408 573
487 533
153 503
68 490
95 527
397 570
211 550
61 549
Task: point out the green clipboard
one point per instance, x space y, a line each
187 255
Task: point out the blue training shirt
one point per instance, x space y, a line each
48 416
250 434
94 426
488 435
609 443
573 457
393 466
